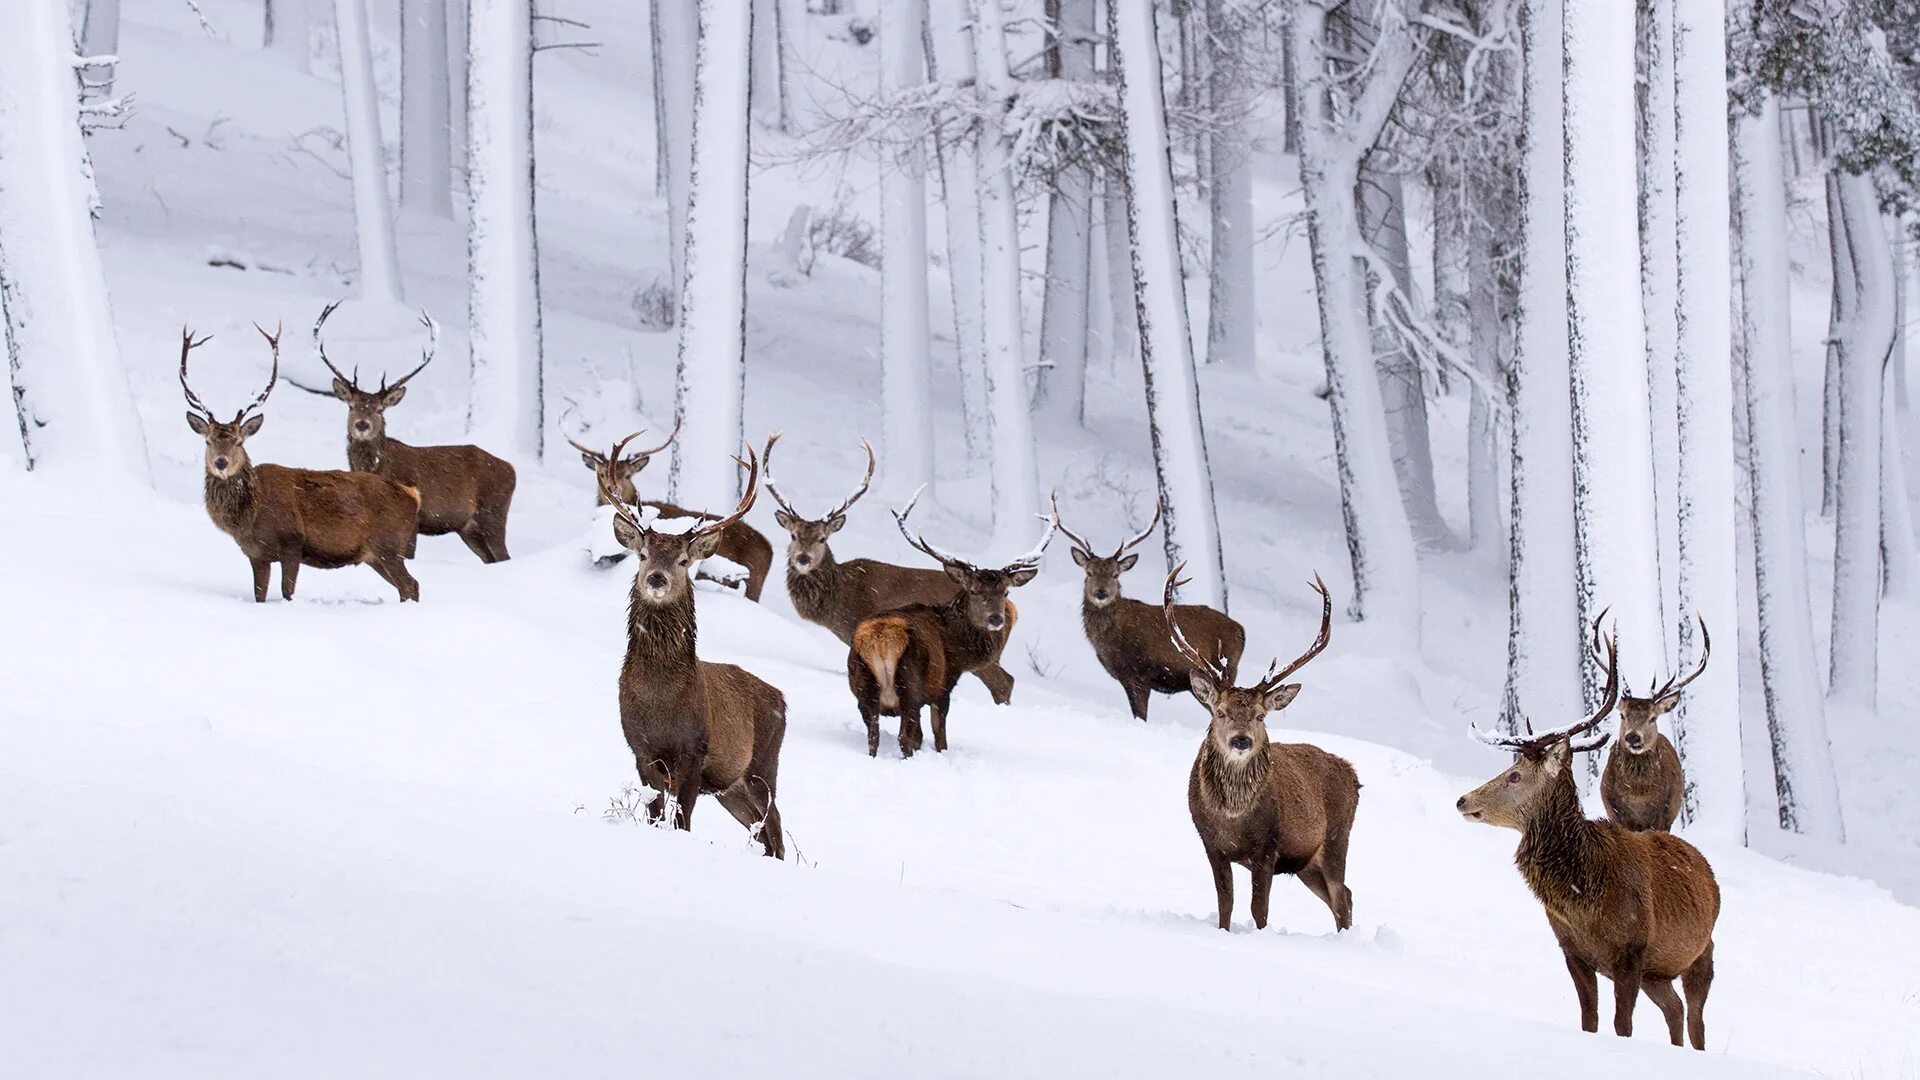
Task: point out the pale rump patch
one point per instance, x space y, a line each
880 642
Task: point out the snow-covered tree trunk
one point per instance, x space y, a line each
1865 337
712 382
1061 388
659 100
426 148
506 404
950 59
905 377
1707 721
1192 529
457 89
1898 571
1230 308
1100 314
1659 271
70 394
1386 577
1123 334
1485 337
678 31
1543 639
372 207
289 30
771 104
1839 314
101 37
1449 196
1016 477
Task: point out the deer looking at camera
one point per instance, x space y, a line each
912 656
694 726
297 517
614 470
1130 637
1643 785
1637 907
463 489
837 595
1274 808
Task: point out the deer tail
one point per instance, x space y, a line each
880 643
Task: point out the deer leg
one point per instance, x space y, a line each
289 573
476 541
261 570
1262 891
750 807
910 734
1223 887
1626 994
1660 992
997 681
1138 694
939 710
396 572
653 773
870 716
1315 879
1586 984
1696 981
687 771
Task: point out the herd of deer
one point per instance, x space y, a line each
1624 897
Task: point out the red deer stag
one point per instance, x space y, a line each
614 470
694 726
1130 637
837 595
1643 785
912 656
297 517
1637 907
1274 808
463 489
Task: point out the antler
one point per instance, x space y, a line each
846 504
562 425
1078 540
187 345
919 542
1275 674
1672 689
1215 669
612 498
671 435
1032 558
433 346
320 346
1531 742
273 341
1081 541
1143 534
746 501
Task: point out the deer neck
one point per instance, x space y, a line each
660 637
965 641
1558 852
813 592
1232 786
1096 619
366 455
230 499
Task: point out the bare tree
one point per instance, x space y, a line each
1230 307
426 147
372 207
905 378
677 31
950 60
1061 388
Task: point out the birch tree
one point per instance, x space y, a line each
1230 318
1062 381
770 94
457 84
288 30
711 381
1403 387
950 60
426 148
1659 271
678 32
70 393
506 403
906 394
372 208
1191 529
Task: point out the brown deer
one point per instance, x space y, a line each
1130 637
1643 785
614 470
912 656
1274 808
1637 907
463 489
694 726
297 517
837 595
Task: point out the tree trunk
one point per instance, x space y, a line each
74 408
712 373
1062 382
426 148
1123 335
1230 311
289 30
771 105
457 88
679 33
506 404
906 396
950 59
372 208
1899 573
1840 312
1192 529
100 37
1659 270
1485 336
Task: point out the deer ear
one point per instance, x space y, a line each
1079 558
703 546
588 460
1022 576
1282 696
1126 564
341 390
957 573
1665 705
625 533
252 426
392 397
633 465
836 523
1556 756
198 423
783 519
1202 687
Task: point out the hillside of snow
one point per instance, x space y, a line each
342 836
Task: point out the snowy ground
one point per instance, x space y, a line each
342 836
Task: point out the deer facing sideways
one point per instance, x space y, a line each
838 595
298 517
740 543
1637 907
1130 637
694 726
1643 785
912 656
463 489
1274 808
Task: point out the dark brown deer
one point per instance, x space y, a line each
1274 808
837 595
463 489
1637 907
912 656
694 726
1130 637
740 543
298 517
1643 785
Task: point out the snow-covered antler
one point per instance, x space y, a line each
1275 674
1214 669
1532 743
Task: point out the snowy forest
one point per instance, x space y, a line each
1534 370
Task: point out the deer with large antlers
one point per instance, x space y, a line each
1637 907
911 657
694 726
463 489
614 470
298 517
838 595
1274 808
1643 785
1130 637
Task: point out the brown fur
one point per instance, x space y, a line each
913 656
1643 790
1130 639
739 543
463 489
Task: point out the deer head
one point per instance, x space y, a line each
807 537
226 443
666 558
1103 571
983 589
1540 762
614 470
1640 716
1238 729
367 409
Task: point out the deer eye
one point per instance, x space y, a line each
683 561
1513 777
